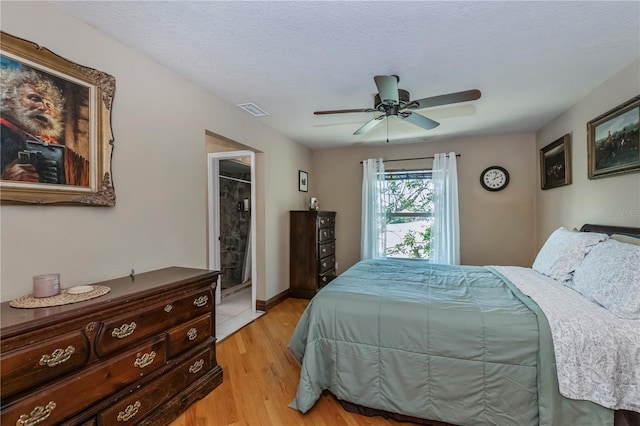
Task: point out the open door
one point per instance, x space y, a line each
243 206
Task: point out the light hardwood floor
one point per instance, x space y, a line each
260 379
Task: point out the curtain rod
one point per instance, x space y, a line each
409 159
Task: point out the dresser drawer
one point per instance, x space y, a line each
326 221
326 277
67 397
326 234
39 363
189 335
125 329
132 409
327 263
326 249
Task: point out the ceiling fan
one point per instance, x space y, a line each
392 101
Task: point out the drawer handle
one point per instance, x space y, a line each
145 360
192 334
322 221
197 366
324 250
168 308
36 416
57 357
324 233
324 264
124 330
201 301
324 279
129 412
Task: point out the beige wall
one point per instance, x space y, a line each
611 200
496 228
159 171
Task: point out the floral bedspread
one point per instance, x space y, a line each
597 353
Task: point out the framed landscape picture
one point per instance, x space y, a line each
613 143
555 163
56 139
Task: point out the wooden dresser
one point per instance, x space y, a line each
312 252
140 354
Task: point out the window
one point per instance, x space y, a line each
408 197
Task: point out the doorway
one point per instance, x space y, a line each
232 236
235 225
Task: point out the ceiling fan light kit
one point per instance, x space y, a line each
392 101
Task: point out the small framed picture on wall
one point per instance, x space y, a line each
613 141
555 163
303 181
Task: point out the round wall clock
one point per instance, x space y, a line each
494 178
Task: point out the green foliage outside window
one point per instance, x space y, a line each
408 196
413 247
409 201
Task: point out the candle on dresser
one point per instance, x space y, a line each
46 285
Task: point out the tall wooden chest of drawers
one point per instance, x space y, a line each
312 252
141 354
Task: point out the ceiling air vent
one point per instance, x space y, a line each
253 109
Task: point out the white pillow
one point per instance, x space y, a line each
563 251
610 276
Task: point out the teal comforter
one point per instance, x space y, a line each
458 344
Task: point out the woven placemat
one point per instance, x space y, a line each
64 298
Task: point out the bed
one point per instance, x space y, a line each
470 345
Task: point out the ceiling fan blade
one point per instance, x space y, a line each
387 88
420 120
369 125
342 111
451 98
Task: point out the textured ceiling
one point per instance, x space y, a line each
531 60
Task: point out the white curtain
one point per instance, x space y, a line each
445 232
373 242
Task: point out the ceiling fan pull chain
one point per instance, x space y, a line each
387 130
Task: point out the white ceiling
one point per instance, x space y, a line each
531 60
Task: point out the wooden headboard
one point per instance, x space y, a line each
606 229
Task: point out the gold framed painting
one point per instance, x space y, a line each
56 141
555 163
613 141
